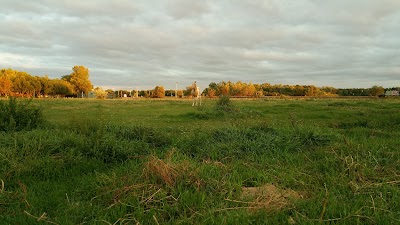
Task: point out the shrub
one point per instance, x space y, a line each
224 103
19 115
158 92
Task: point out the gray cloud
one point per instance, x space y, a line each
148 43
182 9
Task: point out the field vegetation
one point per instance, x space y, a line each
229 161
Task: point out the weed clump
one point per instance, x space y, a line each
163 171
171 173
224 103
19 115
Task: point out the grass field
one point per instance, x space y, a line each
257 161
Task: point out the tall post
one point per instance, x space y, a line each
176 89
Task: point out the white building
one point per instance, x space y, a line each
392 93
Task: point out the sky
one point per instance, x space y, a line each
129 44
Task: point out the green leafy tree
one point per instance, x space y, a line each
22 84
213 86
110 93
188 91
170 93
46 85
36 86
376 90
299 90
62 87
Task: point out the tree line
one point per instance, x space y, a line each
22 84
77 84
242 89
266 89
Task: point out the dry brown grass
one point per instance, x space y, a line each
168 173
268 197
163 172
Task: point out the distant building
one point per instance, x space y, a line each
92 94
392 93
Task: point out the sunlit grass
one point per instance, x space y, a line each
166 162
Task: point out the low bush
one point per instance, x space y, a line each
224 103
17 115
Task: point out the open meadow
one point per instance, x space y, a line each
229 161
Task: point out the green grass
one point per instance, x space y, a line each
166 162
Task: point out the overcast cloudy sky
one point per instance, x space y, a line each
124 43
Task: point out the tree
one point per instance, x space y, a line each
122 93
141 93
376 90
213 86
170 93
66 78
110 93
46 85
211 93
134 93
188 91
6 82
100 93
248 90
36 86
5 86
22 84
79 78
158 92
236 89
61 87
311 90
180 93
223 88
299 90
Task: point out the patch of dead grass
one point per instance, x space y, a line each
162 171
268 197
167 172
